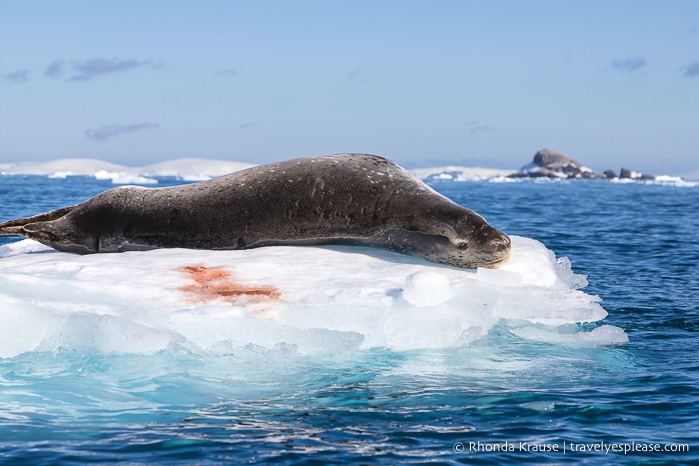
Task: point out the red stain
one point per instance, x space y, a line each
212 283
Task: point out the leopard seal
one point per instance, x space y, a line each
344 199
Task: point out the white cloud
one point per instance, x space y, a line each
226 72
16 77
691 70
85 70
629 65
108 131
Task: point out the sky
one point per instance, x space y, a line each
475 83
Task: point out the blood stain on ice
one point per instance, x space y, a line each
213 283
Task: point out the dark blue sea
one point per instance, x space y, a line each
636 403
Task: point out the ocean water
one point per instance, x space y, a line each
499 399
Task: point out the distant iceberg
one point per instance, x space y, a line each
190 169
458 173
195 169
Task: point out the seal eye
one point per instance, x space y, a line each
462 245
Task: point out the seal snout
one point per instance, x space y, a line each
500 249
502 243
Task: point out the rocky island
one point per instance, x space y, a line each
549 163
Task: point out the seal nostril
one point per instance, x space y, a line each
502 241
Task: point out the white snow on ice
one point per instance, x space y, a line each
307 300
192 169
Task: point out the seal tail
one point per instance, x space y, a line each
17 227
